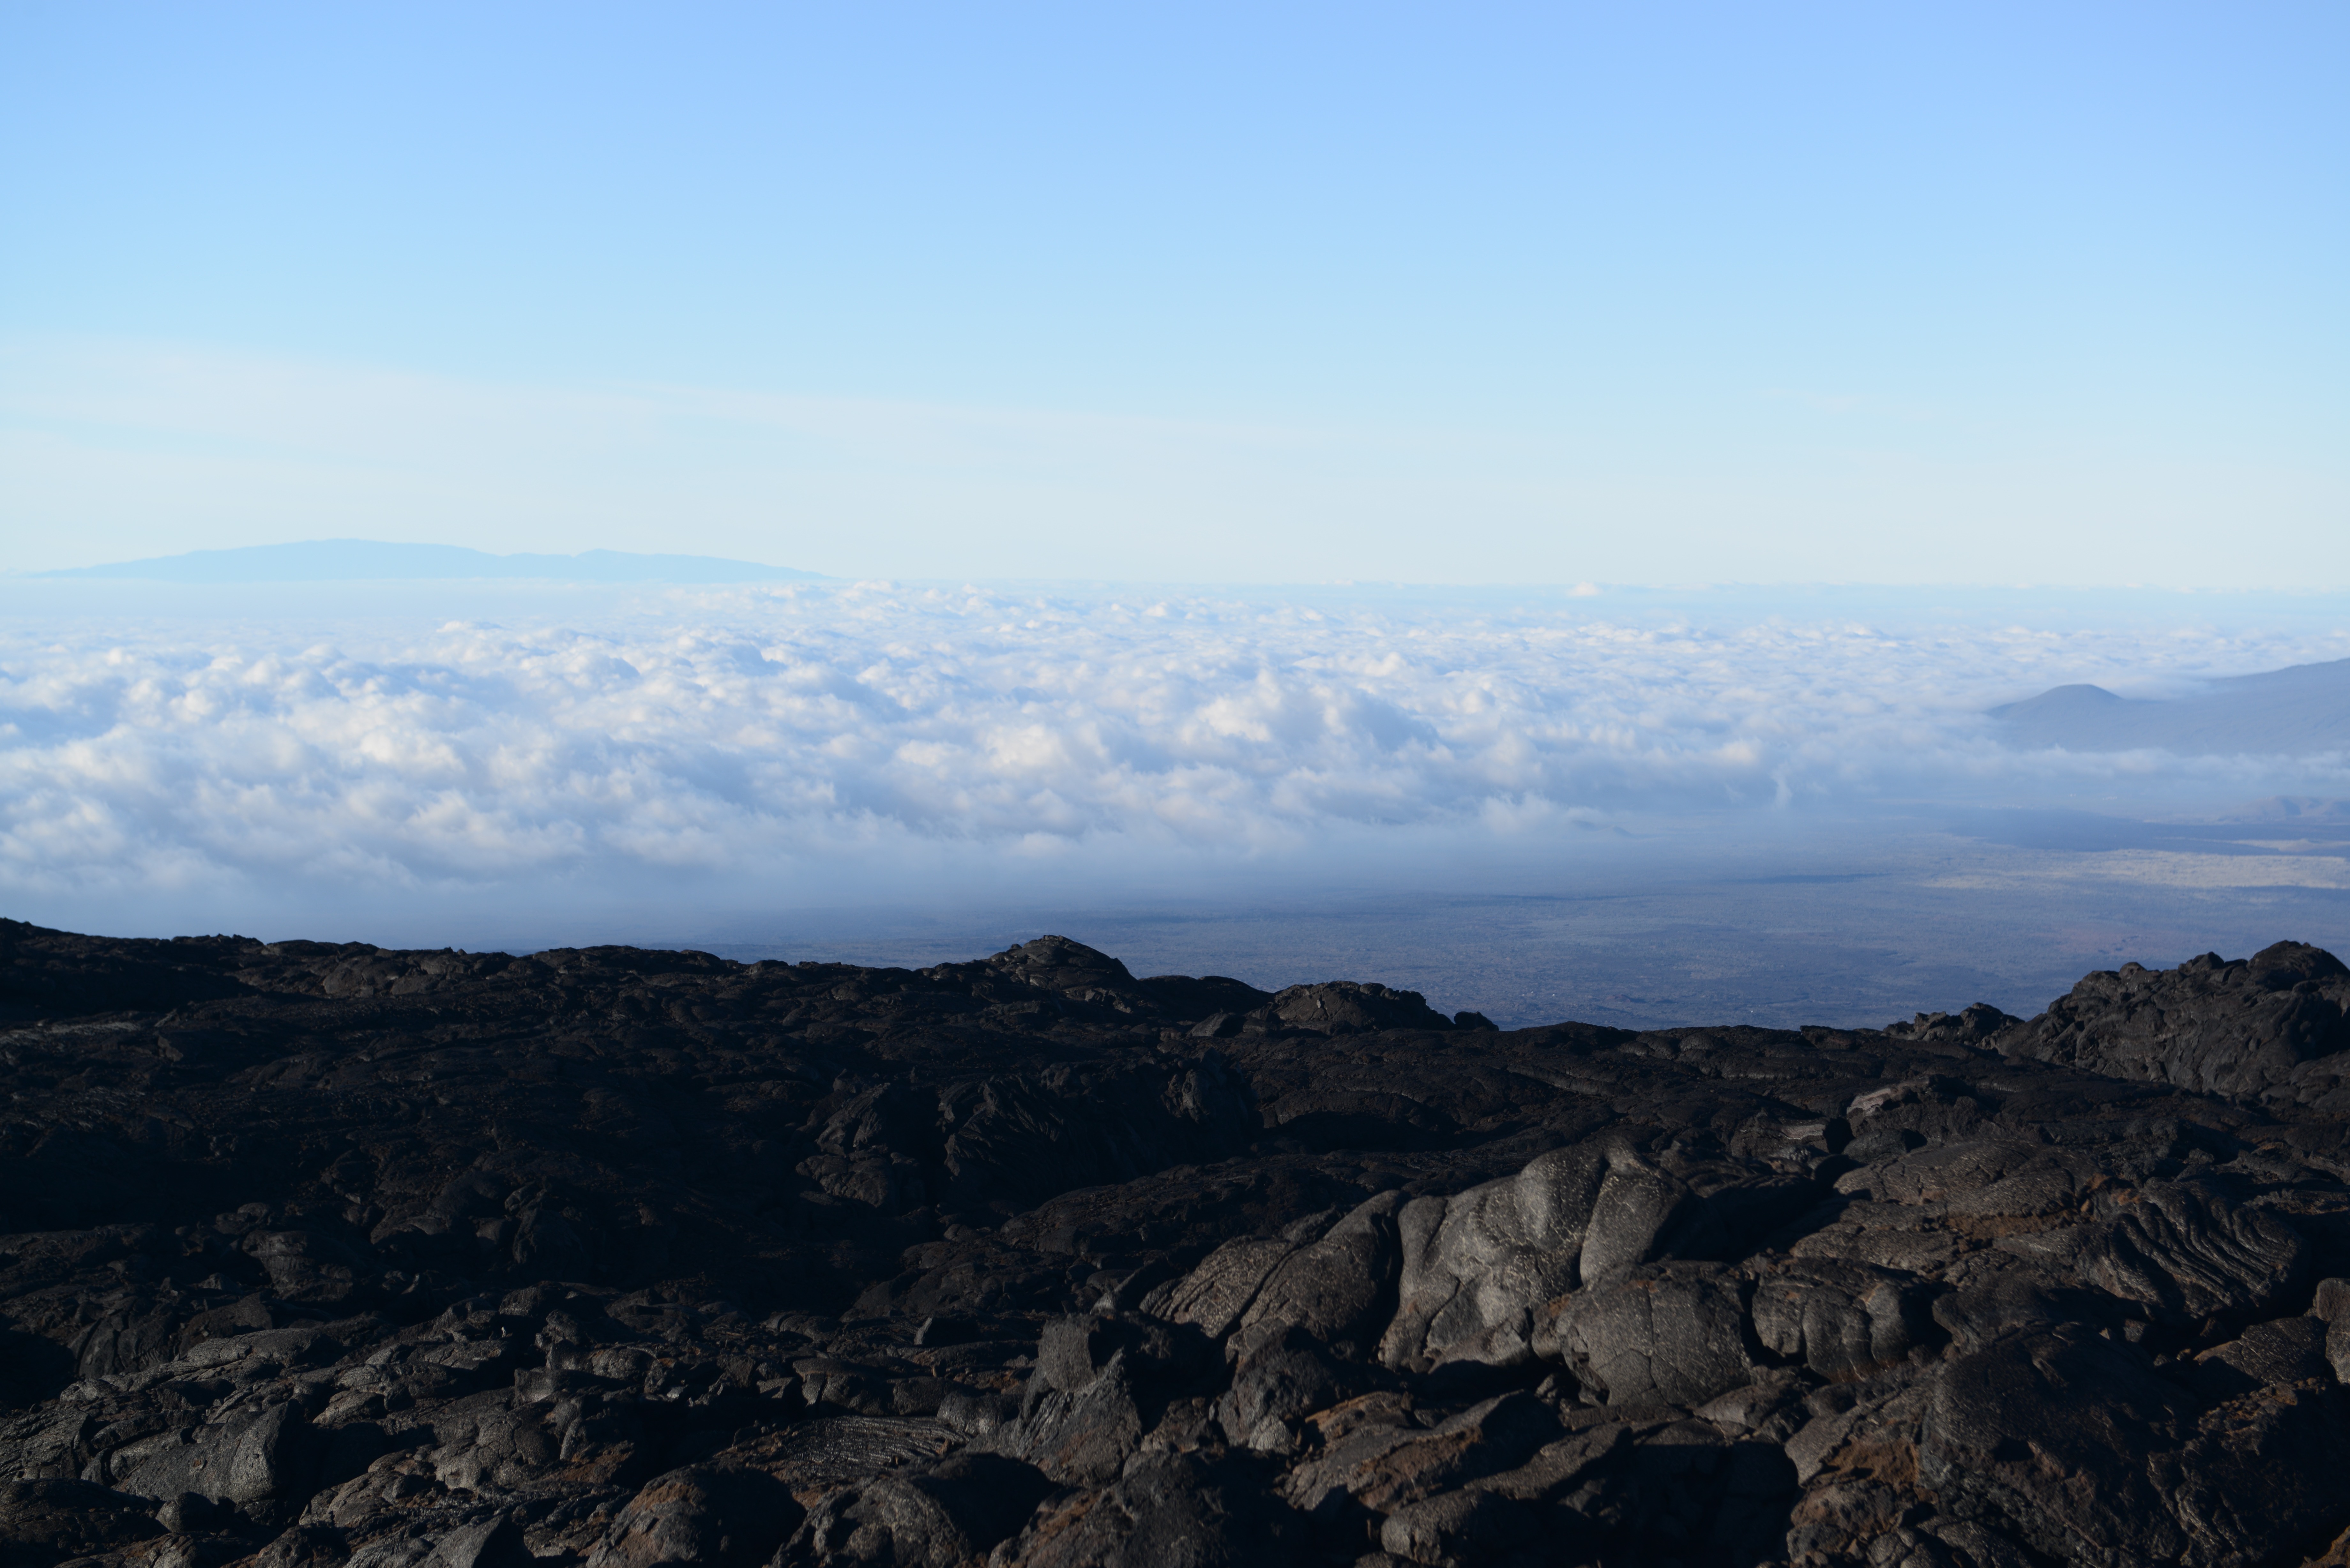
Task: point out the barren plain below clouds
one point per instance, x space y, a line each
1852 928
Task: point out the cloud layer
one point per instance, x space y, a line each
821 745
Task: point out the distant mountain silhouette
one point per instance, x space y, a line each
2293 711
2300 810
349 560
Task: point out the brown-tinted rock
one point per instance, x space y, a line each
1167 1510
702 1514
58 1518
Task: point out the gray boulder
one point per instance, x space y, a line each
269 1454
2024 1295
1643 1212
1099 1383
1667 1334
1842 1320
1387 1465
2332 1307
1469 1526
1478 1265
1339 1289
490 1540
1214 1294
2266 1355
1072 969
1079 1436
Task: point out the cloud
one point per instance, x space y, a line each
784 746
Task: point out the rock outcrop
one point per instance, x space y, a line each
2273 1026
317 1254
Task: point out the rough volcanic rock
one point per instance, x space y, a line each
2246 1027
1343 1007
1478 1265
1842 1321
321 1254
55 1519
1669 1334
1166 1510
955 1514
2185 1255
702 1514
1339 1289
1286 1379
2089 1456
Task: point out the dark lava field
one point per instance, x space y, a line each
329 1255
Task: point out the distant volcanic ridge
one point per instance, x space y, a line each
2299 711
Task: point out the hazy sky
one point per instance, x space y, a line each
1879 293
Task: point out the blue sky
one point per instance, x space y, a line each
1889 293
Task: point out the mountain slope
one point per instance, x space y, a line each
2296 712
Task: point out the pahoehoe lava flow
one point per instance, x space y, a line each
324 1255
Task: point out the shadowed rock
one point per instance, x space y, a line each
326 1255
1669 1334
1339 1289
1169 1510
701 1514
2243 1028
953 1514
2185 1254
55 1519
1343 1007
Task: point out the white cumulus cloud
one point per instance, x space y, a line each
817 742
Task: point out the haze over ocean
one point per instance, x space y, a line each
1533 503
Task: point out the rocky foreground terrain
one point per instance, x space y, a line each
321 1254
